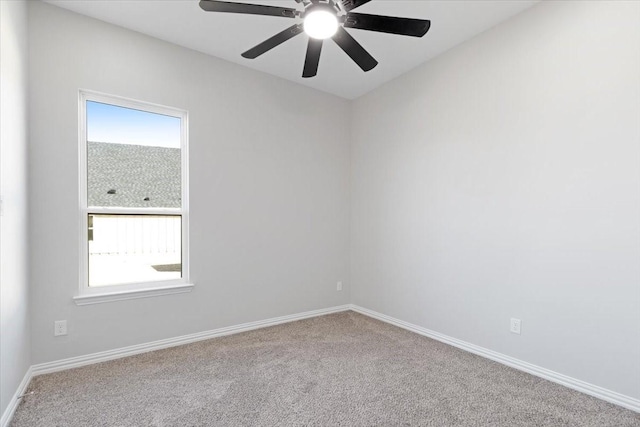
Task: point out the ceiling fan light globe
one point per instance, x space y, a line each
320 24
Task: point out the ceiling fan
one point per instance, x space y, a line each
323 19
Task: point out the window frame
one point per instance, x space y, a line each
99 294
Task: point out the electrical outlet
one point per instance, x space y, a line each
515 326
339 287
59 327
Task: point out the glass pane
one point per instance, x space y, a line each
133 158
134 249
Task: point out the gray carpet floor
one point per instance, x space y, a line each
343 369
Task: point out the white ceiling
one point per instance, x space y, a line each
226 35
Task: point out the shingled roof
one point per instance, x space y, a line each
122 175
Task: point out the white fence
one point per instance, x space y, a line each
136 235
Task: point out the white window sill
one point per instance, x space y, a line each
132 294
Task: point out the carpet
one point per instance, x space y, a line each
342 369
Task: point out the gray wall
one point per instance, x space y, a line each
502 180
14 290
269 186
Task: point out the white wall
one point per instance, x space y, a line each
503 180
14 291
269 171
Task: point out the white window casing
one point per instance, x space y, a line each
99 294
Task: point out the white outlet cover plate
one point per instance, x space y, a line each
515 326
60 328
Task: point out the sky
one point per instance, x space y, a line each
119 125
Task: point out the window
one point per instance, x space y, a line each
133 199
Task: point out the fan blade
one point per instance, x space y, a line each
388 24
352 4
254 9
313 58
354 50
274 41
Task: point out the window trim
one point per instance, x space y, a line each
99 294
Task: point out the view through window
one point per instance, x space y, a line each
134 195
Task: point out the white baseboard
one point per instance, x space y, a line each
15 399
575 384
103 356
74 362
